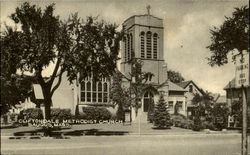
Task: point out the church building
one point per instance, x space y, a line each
144 41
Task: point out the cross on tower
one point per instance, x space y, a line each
148 9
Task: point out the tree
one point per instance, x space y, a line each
203 104
74 46
119 95
220 114
161 114
231 36
151 108
137 82
14 88
175 77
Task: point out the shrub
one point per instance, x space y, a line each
197 124
220 114
208 125
31 113
95 113
177 119
60 114
120 114
161 115
182 122
13 117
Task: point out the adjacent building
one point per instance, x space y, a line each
191 90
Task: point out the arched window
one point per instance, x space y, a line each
155 46
93 91
148 94
89 91
142 44
83 91
149 45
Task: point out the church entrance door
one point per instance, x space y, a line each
148 99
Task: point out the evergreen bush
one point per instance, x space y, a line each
161 114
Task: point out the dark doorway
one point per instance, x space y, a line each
148 99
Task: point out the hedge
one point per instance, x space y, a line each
36 113
31 113
61 114
182 122
95 113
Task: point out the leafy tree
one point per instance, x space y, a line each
175 77
74 46
14 88
220 114
138 80
237 112
161 114
203 106
231 36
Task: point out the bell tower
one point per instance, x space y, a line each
144 40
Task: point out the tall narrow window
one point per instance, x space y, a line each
191 88
94 91
83 91
99 92
128 42
155 46
131 47
89 91
149 45
105 92
125 48
142 44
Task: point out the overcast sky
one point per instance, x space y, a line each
186 30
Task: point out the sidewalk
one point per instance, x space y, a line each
108 130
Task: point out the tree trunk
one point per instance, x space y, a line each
47 104
47 107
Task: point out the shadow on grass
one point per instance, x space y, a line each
161 128
8 126
59 132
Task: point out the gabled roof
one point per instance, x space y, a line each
175 87
231 84
184 84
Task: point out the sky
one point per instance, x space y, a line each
187 25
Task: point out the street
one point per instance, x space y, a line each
189 144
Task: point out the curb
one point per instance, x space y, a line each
129 134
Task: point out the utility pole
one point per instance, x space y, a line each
244 87
244 122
